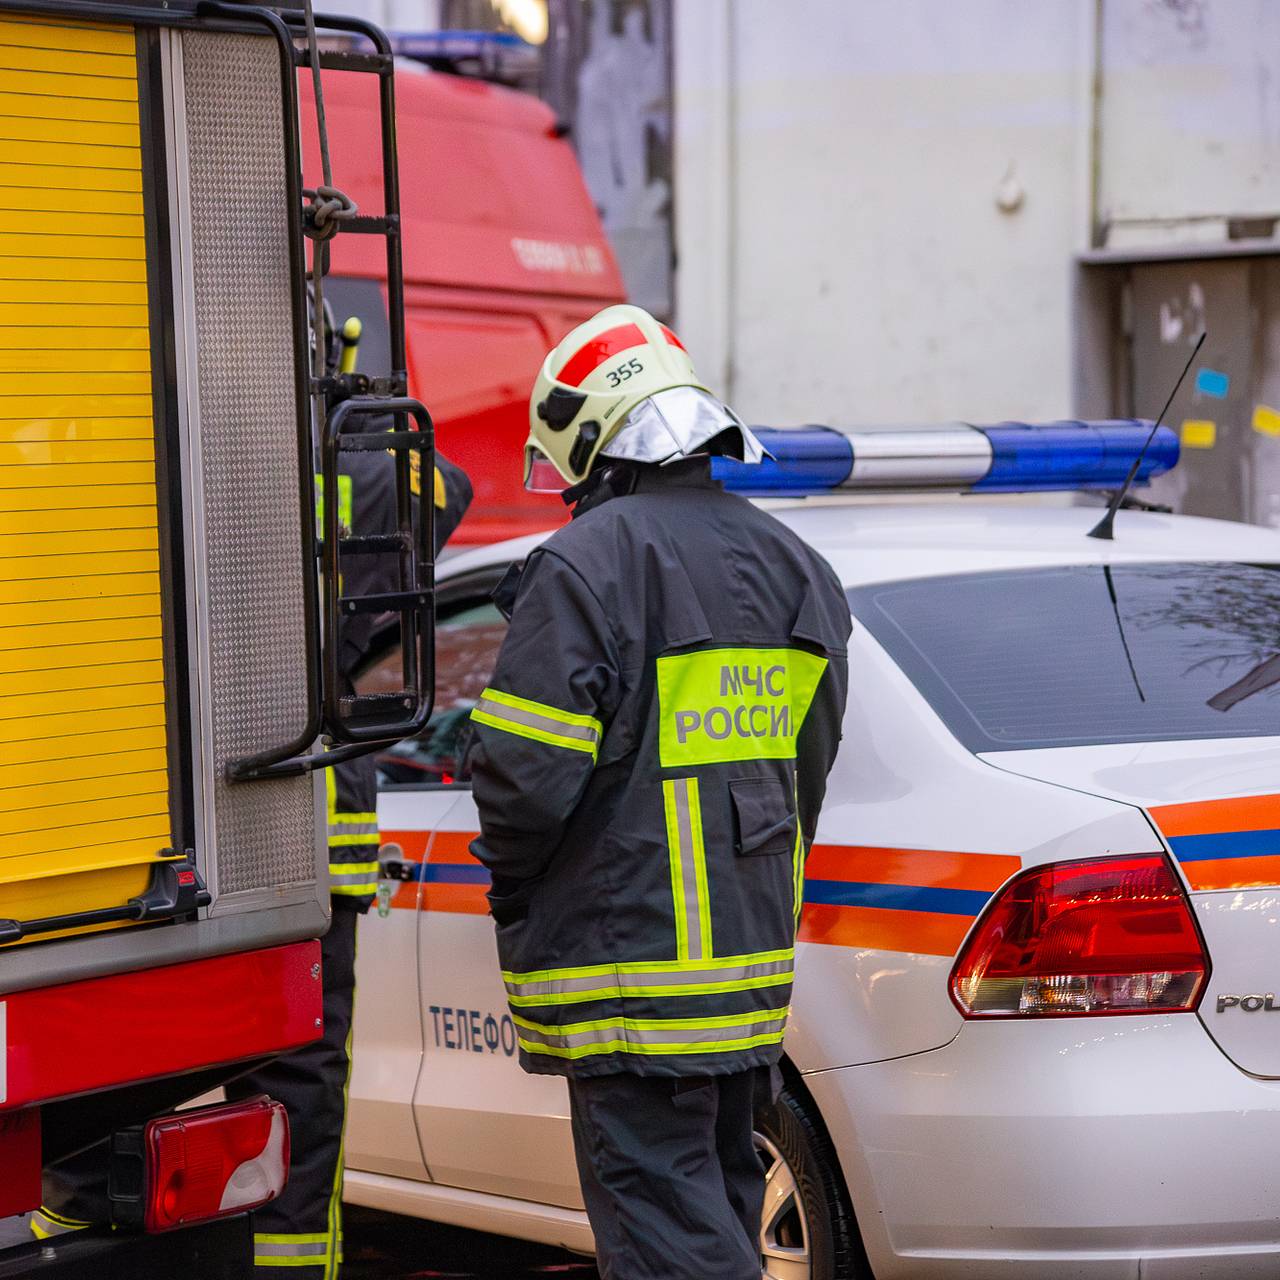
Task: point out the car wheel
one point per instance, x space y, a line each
807 1229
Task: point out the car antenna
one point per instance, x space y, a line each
1105 528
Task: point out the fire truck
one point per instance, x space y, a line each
169 599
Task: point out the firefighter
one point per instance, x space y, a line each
649 764
303 1229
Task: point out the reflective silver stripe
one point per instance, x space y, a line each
632 1033
613 981
318 1249
353 829
531 720
354 877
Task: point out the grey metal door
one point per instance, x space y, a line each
1170 303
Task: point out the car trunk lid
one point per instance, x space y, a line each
1216 805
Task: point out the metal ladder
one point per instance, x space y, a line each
351 724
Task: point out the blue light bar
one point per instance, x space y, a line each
500 56
1010 457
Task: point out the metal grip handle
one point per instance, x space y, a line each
413 542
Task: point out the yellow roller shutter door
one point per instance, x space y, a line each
84 801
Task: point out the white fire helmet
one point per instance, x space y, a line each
622 384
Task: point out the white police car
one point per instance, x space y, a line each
1036 1025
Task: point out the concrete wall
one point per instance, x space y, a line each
880 205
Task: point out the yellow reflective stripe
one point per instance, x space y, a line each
688 854
688 857
439 494
651 966
44 1224
536 735
621 1023
679 896
542 709
619 991
798 855
346 504
343 816
346 841
538 721
289 1237
335 1197
654 1050
669 978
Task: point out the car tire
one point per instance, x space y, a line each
808 1230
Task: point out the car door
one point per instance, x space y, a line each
483 1124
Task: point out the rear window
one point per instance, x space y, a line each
1088 654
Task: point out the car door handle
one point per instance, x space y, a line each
393 865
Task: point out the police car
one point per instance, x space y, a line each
1036 1028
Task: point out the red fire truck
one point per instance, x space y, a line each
503 254
168 685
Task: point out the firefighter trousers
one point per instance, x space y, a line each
302 1230
671 1179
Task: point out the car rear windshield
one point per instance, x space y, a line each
1087 654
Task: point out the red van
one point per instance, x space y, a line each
503 254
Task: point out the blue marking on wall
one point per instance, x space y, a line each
1209 382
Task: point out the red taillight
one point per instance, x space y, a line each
213 1162
1108 935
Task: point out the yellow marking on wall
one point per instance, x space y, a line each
1266 420
84 793
1199 433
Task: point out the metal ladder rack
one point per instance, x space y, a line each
352 724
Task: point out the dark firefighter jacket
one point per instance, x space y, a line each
667 701
367 505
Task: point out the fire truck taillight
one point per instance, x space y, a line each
1102 936
199 1165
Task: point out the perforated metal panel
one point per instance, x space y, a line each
252 625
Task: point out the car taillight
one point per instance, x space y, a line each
198 1165
1103 936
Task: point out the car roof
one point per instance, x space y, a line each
885 542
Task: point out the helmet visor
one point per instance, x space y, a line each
540 473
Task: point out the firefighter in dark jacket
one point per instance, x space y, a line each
303 1229
649 764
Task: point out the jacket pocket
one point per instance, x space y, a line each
763 816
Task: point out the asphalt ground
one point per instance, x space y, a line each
379 1246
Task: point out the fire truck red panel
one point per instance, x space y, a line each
83 1036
